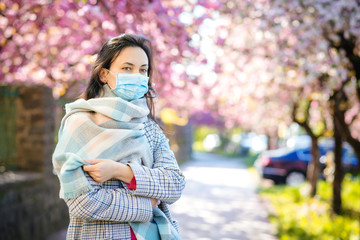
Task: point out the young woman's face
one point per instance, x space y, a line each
130 60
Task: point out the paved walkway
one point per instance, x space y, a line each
220 202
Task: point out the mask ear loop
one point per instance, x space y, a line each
106 82
108 85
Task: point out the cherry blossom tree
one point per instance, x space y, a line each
257 64
55 43
326 35
310 49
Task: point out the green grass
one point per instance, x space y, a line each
250 159
298 217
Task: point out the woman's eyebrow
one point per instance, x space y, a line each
131 64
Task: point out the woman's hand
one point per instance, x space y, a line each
101 170
155 203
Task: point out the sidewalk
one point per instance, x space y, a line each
220 202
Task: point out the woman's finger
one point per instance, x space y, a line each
92 161
89 168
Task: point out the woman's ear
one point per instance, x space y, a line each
103 75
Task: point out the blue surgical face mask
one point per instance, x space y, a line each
130 86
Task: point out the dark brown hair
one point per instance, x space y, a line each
107 56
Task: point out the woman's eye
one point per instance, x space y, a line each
126 68
144 70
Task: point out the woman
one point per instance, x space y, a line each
117 173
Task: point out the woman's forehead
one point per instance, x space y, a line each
133 55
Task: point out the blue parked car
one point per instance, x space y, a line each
290 165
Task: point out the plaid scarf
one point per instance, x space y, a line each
158 228
106 127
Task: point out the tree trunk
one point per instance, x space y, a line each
313 169
338 175
314 166
343 126
349 46
272 142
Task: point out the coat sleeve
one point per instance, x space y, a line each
164 181
110 205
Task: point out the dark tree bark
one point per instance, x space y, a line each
337 100
314 165
345 130
339 114
349 46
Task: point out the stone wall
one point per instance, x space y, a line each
30 207
35 128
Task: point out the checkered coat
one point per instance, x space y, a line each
104 212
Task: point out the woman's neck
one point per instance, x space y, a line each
106 92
